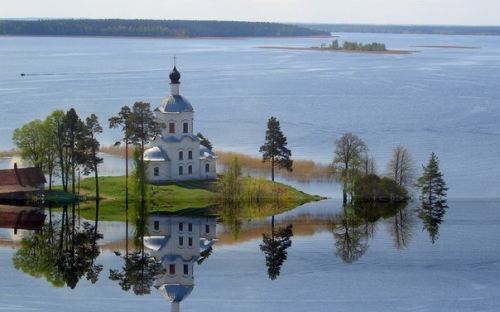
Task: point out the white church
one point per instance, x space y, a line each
176 154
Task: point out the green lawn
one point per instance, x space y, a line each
187 197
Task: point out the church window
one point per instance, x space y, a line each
171 127
190 241
190 169
171 269
207 228
181 241
190 227
181 155
181 170
186 127
156 171
157 225
186 269
181 226
207 167
190 154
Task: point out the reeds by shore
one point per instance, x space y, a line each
303 170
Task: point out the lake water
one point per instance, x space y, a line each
436 100
459 272
441 100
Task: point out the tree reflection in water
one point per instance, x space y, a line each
351 240
139 272
432 215
356 224
275 248
401 227
62 252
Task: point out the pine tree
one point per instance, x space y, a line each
433 197
275 150
432 185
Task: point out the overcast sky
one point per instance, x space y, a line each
422 12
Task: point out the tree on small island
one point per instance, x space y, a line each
275 150
355 46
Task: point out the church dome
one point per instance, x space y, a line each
155 154
175 104
174 76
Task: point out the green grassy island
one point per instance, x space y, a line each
187 197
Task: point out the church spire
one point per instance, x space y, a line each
174 76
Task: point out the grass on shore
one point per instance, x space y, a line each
179 197
303 170
171 197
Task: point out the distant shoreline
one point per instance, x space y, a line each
446 47
340 50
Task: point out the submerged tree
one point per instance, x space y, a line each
274 149
401 167
275 247
372 188
349 151
433 197
431 183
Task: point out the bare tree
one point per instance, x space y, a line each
401 167
349 151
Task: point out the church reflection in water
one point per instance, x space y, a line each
178 242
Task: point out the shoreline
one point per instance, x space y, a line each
446 47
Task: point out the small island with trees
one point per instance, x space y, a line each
348 46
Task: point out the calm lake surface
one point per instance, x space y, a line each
438 100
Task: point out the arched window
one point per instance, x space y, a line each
181 170
181 155
190 154
207 167
171 127
156 171
190 169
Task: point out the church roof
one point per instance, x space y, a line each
175 104
155 154
205 152
171 138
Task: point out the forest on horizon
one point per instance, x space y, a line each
152 28
406 29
